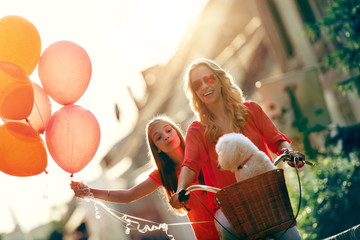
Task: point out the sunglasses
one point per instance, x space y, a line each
208 79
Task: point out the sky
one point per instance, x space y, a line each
122 38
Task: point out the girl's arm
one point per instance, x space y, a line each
119 196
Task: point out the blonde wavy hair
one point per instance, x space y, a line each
231 93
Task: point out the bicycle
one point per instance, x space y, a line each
257 207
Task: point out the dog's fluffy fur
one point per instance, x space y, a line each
234 149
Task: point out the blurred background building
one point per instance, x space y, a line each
263 45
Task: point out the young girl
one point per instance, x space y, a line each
221 108
166 145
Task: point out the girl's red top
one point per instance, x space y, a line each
201 220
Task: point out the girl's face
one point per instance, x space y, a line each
205 84
165 137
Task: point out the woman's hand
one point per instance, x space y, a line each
299 159
81 190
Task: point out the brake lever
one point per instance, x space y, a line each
288 157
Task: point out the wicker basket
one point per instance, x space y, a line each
258 206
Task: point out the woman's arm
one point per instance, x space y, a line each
119 196
284 144
186 178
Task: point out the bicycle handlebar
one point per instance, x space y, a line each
286 156
185 194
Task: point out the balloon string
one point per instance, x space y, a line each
45 190
28 122
41 118
70 141
144 220
131 222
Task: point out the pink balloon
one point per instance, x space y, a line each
41 111
65 71
72 137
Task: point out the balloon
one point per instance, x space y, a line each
72 137
20 43
22 151
65 71
41 111
16 92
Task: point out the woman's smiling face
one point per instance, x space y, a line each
205 84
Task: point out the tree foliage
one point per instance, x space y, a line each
330 192
341 26
330 197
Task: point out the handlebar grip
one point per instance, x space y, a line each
309 163
183 195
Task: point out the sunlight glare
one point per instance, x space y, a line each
122 39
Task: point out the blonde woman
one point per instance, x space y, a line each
166 146
221 108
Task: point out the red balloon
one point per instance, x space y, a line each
65 71
72 137
22 151
41 111
16 92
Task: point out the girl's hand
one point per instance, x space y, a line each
81 190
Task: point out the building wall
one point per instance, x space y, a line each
261 43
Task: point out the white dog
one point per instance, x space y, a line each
238 154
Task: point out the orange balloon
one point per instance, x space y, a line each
65 71
16 92
20 42
72 137
41 111
22 151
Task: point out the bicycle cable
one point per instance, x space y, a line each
299 205
213 215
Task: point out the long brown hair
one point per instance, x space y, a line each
165 165
231 93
